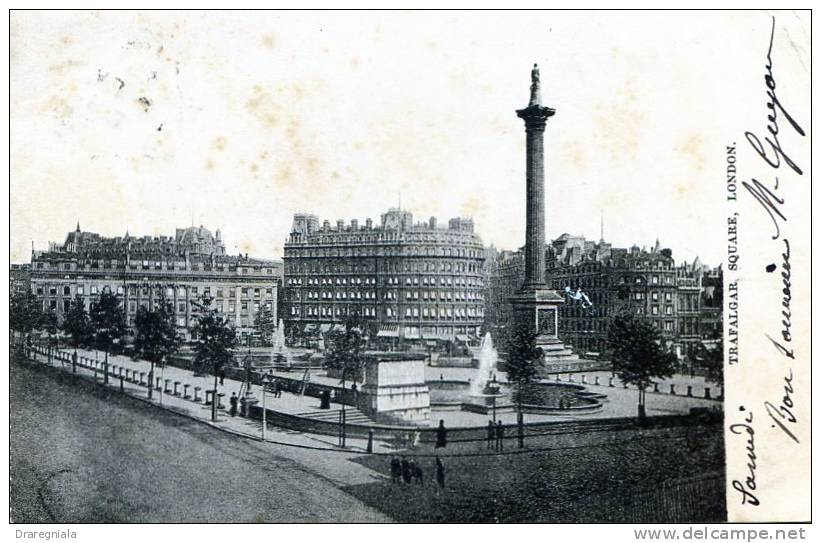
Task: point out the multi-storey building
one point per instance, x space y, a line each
503 279
611 280
410 281
19 278
143 270
712 303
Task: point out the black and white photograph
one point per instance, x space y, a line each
417 267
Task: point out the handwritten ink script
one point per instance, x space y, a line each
768 192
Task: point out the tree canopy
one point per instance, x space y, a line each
264 325
108 320
523 355
76 323
215 339
25 312
155 335
345 348
636 351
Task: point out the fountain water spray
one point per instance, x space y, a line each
279 352
488 357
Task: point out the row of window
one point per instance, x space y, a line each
384 266
410 312
600 325
458 295
149 265
181 307
391 281
169 292
379 251
602 281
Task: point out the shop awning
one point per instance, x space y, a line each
463 338
324 327
338 328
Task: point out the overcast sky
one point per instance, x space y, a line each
149 121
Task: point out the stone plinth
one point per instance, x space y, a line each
396 389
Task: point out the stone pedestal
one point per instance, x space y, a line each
540 308
396 389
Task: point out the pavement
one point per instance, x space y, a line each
620 401
199 411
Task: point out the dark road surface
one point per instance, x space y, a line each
82 454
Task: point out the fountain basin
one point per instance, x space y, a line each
540 397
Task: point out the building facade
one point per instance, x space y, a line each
409 281
712 303
143 270
600 281
504 277
19 278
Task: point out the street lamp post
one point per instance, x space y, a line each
265 381
214 395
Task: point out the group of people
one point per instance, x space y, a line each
276 388
409 471
495 436
276 391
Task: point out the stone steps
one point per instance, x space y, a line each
352 415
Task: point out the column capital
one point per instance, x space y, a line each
535 116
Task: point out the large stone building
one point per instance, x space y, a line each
142 270
646 282
19 278
504 277
410 281
712 303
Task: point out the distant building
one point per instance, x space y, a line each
141 270
611 280
504 278
712 303
19 278
409 281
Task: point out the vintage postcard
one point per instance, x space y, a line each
413 267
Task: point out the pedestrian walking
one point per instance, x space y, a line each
418 476
222 376
500 436
441 435
440 473
406 472
411 471
233 400
491 434
396 470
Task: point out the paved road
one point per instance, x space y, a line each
82 454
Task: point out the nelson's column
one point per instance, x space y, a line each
535 303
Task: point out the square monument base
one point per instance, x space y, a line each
539 305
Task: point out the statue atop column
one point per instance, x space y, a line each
535 88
